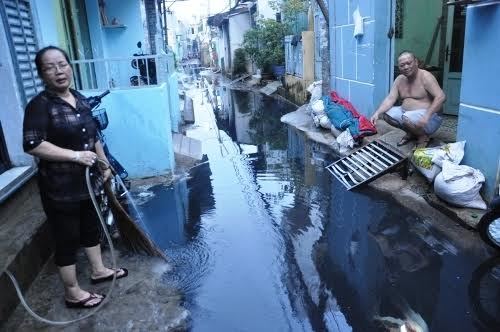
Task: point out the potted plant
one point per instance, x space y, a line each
264 45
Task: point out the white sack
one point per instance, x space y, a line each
460 185
429 160
345 141
324 121
315 90
318 107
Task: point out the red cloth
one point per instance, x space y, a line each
366 128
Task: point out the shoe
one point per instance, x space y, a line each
110 277
82 304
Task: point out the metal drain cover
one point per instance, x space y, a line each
366 164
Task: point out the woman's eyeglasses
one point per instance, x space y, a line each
52 69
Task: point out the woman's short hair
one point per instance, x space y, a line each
40 53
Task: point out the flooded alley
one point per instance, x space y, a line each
262 238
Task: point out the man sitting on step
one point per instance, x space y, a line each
421 99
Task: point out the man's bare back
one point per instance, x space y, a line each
413 93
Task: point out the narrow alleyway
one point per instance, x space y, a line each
262 238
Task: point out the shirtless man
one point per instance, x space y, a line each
422 99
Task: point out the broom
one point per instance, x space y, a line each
133 237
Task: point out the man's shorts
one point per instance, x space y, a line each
397 113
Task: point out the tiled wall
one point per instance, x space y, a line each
352 59
479 114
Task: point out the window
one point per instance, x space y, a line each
23 45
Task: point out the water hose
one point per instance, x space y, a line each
113 262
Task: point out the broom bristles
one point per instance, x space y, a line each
133 237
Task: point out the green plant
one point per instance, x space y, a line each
240 61
291 12
265 44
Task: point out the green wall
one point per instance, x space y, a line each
419 22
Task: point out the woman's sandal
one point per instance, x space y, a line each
110 277
83 304
406 139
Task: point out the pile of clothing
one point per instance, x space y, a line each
338 114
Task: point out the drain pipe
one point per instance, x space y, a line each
113 262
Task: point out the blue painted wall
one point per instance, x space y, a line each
360 67
47 28
116 42
139 133
479 114
174 107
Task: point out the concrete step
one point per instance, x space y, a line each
188 111
25 243
186 146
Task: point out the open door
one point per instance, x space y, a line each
453 58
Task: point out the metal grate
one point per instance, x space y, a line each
366 164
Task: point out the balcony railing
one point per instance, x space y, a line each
127 72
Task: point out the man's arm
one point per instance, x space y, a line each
433 88
388 102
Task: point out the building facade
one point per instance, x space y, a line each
459 50
103 43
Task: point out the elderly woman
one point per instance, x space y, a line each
59 130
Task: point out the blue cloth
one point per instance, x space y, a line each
340 117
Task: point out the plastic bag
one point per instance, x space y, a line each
324 121
429 160
345 141
315 89
317 107
460 185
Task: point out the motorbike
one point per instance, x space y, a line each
147 69
101 119
489 225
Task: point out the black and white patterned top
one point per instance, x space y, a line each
49 118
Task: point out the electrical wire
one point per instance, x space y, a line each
113 262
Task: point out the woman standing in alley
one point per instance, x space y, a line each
58 129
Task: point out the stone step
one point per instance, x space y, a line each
25 243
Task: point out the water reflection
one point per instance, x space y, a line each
174 212
263 239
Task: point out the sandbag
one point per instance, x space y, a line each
430 160
315 90
460 185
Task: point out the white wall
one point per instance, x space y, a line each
238 25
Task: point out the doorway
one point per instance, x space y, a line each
77 38
453 57
435 33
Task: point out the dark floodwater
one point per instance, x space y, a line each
262 238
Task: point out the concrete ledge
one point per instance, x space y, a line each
25 243
414 192
14 178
